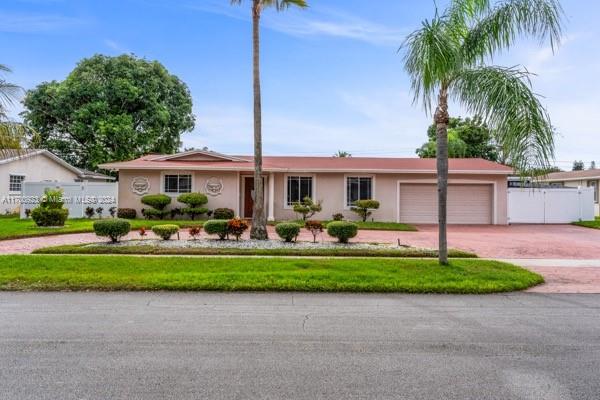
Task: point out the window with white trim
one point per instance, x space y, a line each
178 183
15 183
358 188
298 188
594 184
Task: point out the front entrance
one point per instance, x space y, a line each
248 196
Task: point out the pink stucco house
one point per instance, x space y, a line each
405 187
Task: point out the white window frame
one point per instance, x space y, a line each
285 187
373 185
171 194
15 192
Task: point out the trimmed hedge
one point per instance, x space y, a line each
49 216
154 213
156 201
165 231
363 208
288 231
342 230
223 213
193 212
217 227
112 228
126 213
193 200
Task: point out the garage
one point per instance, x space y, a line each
467 204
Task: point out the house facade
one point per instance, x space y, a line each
405 187
586 178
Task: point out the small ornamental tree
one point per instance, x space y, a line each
158 202
89 212
223 213
237 227
364 208
315 228
114 229
307 208
194 202
342 230
194 231
165 231
99 212
288 231
217 227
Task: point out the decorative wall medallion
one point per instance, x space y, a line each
140 185
214 186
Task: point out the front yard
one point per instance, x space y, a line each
49 273
370 225
595 224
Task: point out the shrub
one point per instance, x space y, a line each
175 212
49 216
314 227
156 201
223 213
89 212
237 227
342 230
165 231
194 231
338 217
217 227
112 211
307 208
112 228
52 198
99 212
363 208
193 212
157 214
127 213
142 232
288 231
28 212
193 200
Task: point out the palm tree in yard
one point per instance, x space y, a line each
12 134
259 220
446 59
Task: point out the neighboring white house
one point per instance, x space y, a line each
586 178
32 165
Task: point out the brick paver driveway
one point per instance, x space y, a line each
542 242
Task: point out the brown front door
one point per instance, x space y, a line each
248 196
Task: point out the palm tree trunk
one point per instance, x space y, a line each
259 220
442 118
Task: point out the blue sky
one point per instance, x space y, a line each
332 77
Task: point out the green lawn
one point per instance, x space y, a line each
14 228
369 225
335 252
595 224
44 272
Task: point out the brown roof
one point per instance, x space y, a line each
573 175
317 164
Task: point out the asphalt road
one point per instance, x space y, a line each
298 346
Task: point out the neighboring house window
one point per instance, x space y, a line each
16 183
299 187
594 184
178 183
358 188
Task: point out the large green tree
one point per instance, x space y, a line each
447 58
259 219
467 138
110 109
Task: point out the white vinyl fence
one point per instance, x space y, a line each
550 205
77 196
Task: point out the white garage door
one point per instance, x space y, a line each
467 204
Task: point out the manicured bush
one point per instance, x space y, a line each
156 201
175 212
338 217
127 213
194 212
114 229
237 227
288 231
223 213
307 208
193 200
217 227
194 231
112 211
28 212
49 216
89 212
50 211
153 213
342 230
99 212
314 227
363 208
165 231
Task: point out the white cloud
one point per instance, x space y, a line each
25 23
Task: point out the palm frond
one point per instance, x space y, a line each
279 5
503 97
431 57
498 30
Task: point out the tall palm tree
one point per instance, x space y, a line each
12 134
446 59
259 220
